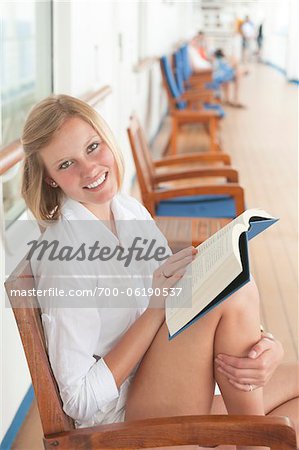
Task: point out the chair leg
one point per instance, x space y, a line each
213 134
240 202
174 135
150 205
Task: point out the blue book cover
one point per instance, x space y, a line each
257 224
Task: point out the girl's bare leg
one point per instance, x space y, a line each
236 85
225 90
281 395
177 377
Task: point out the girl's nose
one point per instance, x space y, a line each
89 169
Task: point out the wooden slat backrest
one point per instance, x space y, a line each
171 101
28 317
142 146
143 162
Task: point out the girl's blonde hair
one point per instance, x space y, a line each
43 121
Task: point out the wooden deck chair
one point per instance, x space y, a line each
224 200
184 84
182 231
186 166
182 108
59 431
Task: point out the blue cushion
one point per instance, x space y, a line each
198 206
179 76
212 85
215 107
187 70
171 82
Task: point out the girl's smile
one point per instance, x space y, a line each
95 185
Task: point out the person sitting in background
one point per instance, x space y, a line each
224 73
202 46
198 63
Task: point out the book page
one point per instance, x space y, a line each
212 254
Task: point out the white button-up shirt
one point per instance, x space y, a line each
80 330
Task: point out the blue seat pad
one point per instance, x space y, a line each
212 85
198 206
215 107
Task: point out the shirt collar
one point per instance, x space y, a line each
74 210
120 209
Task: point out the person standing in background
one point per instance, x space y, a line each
259 41
247 32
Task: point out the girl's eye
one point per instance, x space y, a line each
65 164
93 147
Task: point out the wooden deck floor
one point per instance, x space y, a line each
262 141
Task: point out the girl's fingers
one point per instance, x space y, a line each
240 380
237 363
235 372
174 267
182 254
244 387
173 279
170 267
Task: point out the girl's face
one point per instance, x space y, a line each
82 165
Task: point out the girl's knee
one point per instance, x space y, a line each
244 300
250 291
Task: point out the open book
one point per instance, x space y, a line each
220 268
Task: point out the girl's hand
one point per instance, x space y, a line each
169 273
256 370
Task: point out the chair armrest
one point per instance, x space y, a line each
274 432
209 171
190 115
197 95
188 158
199 84
191 97
201 72
199 81
234 190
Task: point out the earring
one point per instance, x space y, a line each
54 184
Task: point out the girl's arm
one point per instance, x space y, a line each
124 356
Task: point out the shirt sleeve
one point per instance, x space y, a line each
72 326
85 384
